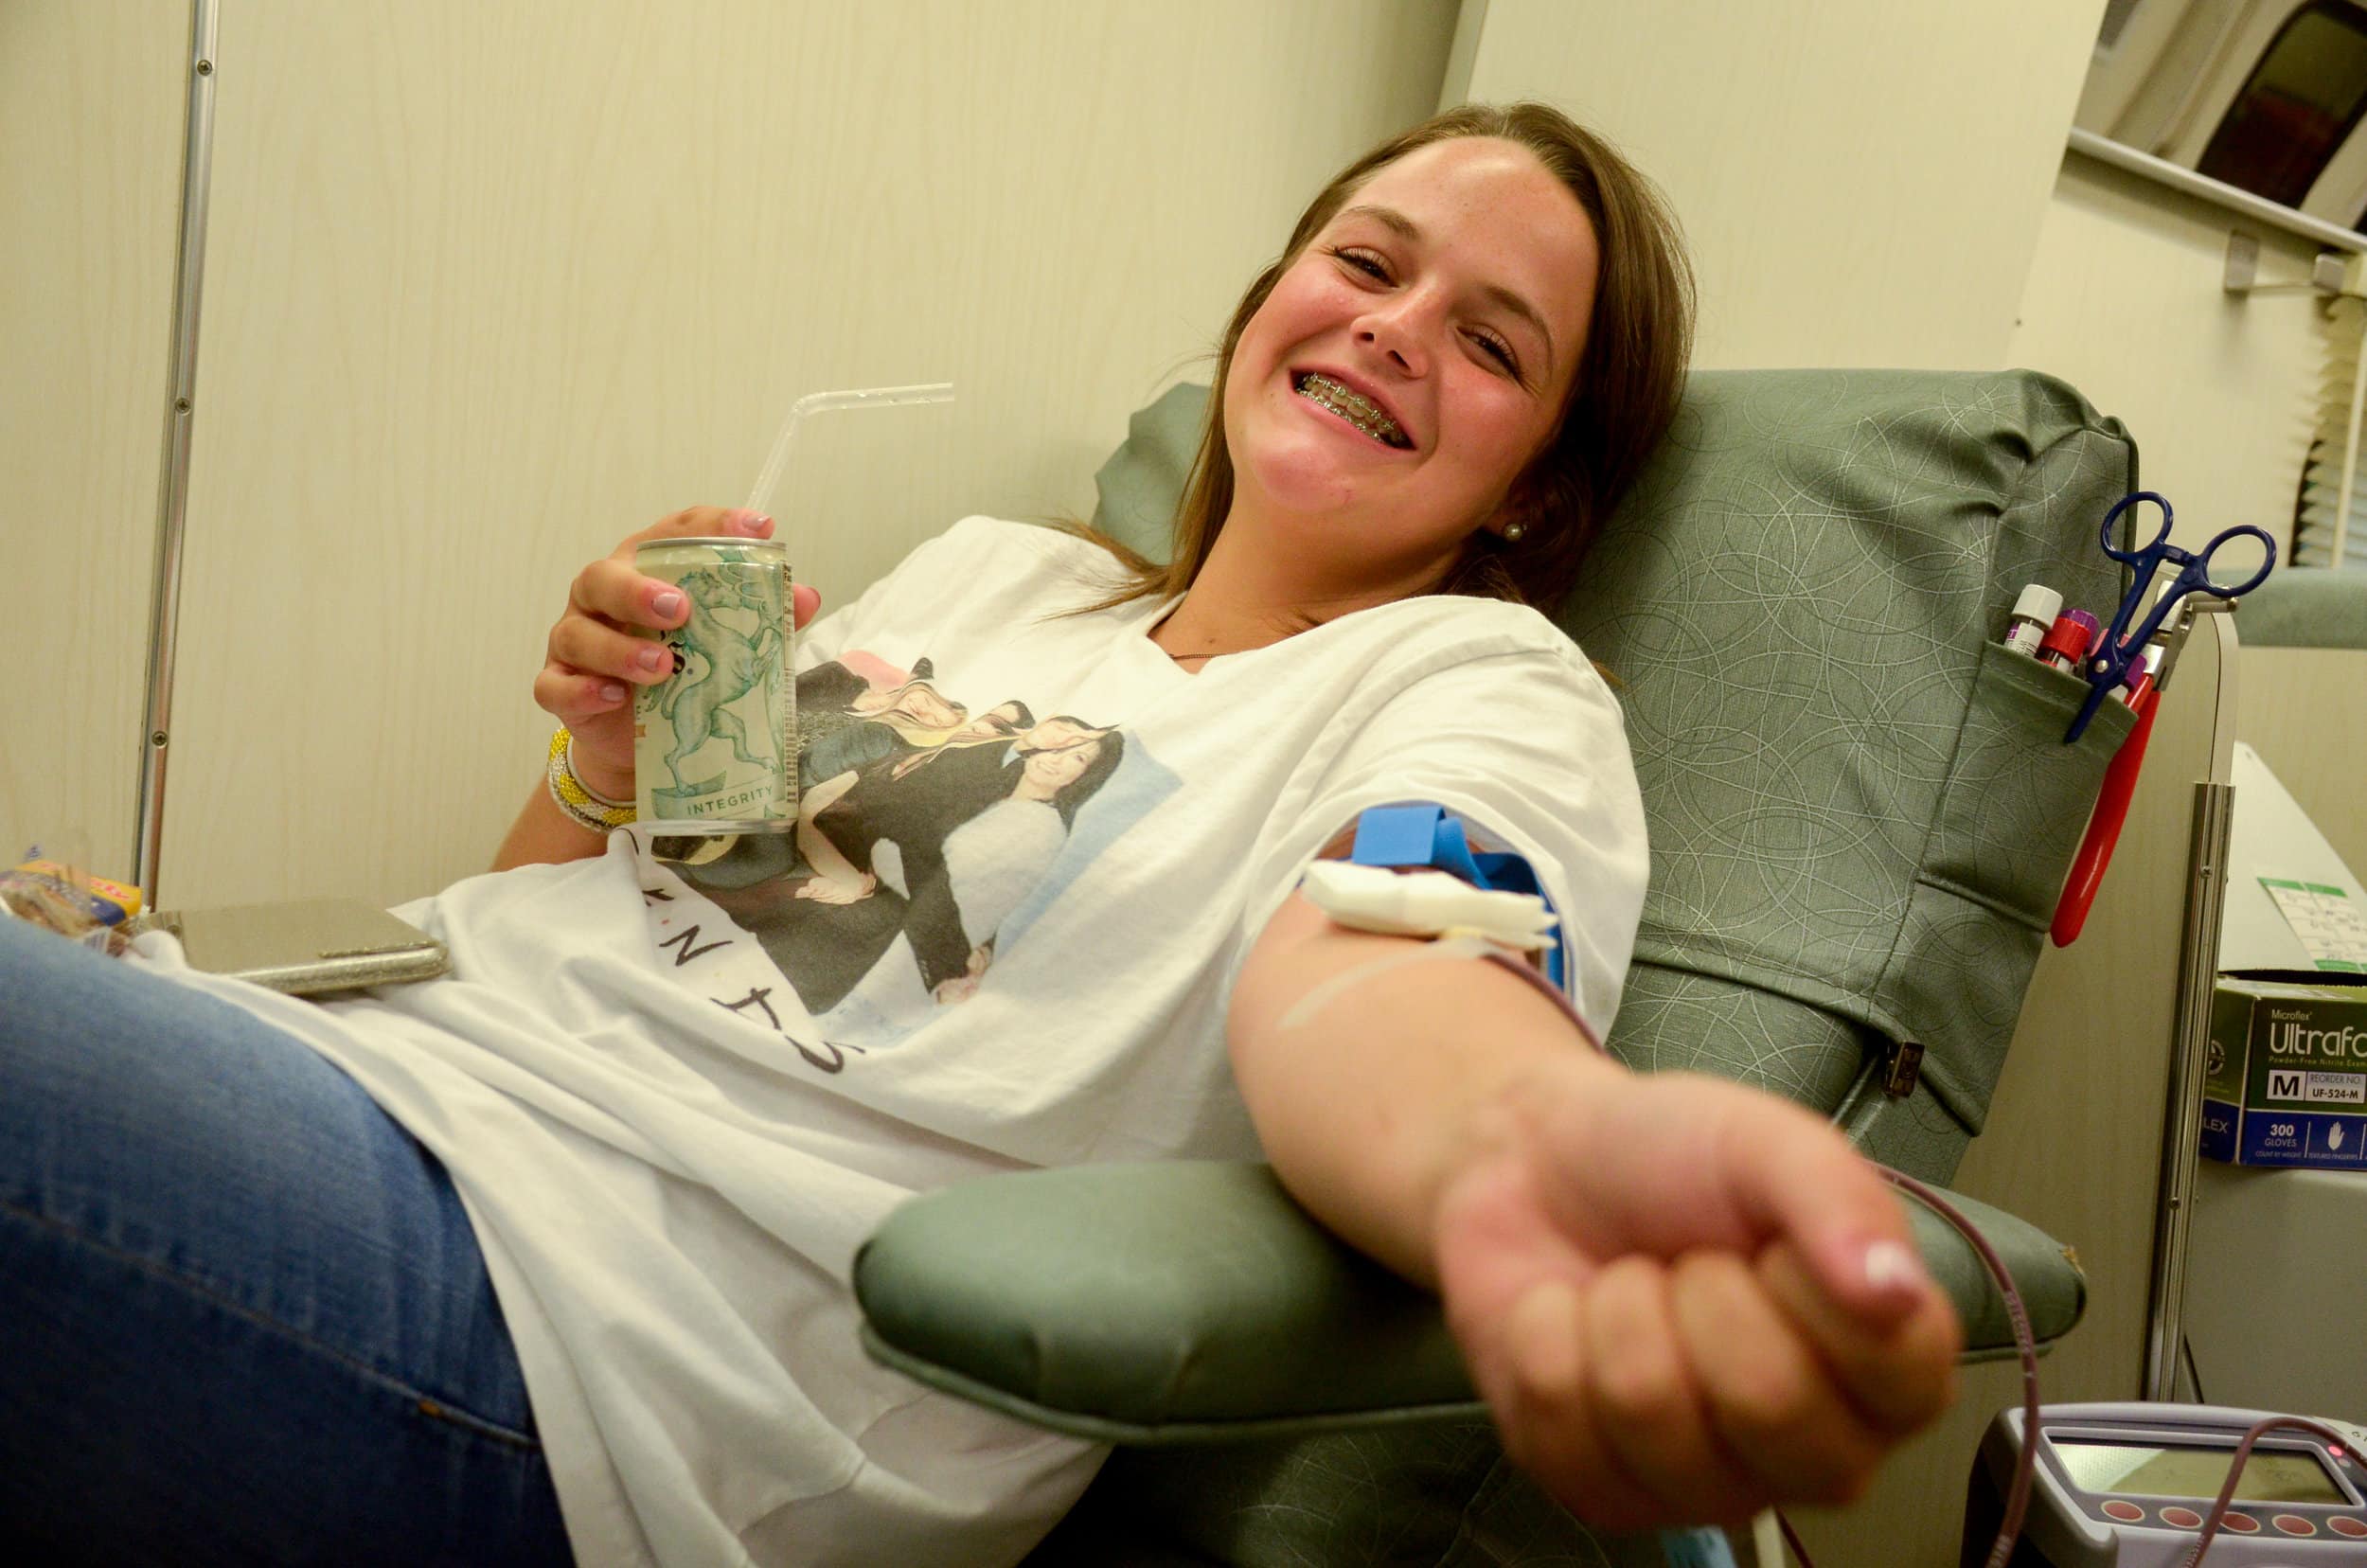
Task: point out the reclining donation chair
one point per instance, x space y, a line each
1860 813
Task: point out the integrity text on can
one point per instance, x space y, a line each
714 742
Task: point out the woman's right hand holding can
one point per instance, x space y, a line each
599 649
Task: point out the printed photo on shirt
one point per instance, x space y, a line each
931 833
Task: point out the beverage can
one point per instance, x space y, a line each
715 742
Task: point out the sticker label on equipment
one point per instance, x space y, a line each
2325 920
2306 1088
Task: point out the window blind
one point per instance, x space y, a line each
2318 520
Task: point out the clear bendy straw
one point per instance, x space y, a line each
818 402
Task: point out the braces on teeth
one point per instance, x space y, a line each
1354 407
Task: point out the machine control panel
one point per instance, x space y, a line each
2129 1485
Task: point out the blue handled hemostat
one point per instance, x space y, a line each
2121 645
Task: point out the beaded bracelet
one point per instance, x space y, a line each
586 808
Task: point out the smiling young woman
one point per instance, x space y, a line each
1402 374
1607 244
620 1160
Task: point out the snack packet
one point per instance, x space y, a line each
90 910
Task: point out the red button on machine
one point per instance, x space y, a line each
2184 1519
2128 1513
2294 1525
2239 1523
2343 1524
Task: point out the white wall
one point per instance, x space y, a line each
490 286
2305 714
1863 181
1883 182
90 176
2123 301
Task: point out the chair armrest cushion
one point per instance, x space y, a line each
1193 1301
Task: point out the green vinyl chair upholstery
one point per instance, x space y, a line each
2313 608
1861 811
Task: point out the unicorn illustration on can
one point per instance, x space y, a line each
712 749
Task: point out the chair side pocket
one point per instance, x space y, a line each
2017 798
2017 802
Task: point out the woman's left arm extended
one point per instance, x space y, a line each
1684 1299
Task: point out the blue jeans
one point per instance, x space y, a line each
244 1318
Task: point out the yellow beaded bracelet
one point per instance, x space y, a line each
596 812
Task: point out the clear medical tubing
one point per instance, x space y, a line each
816 403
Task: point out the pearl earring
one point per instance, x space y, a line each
1514 532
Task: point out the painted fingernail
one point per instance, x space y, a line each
749 522
668 603
613 692
1893 1265
648 658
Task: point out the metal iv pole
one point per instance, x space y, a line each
2197 973
197 143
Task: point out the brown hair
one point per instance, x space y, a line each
1622 399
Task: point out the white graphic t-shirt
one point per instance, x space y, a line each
1033 853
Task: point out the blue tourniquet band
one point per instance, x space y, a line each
1429 835
1696 1549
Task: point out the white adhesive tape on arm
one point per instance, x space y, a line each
1425 903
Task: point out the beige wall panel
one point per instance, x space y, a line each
91 103
2073 1144
1861 180
2123 301
492 286
2305 714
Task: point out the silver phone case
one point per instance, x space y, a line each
305 948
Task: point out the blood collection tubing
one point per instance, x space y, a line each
1351 903
1343 894
820 402
2025 1343
2026 1347
2236 1472
1466 942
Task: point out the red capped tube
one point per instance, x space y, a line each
2068 640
